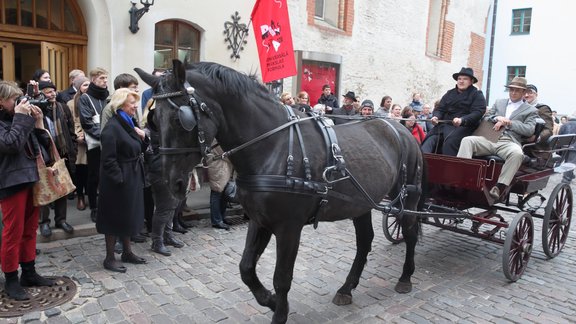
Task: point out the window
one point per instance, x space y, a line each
521 20
440 31
328 11
57 15
175 40
515 71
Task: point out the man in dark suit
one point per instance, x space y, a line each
66 95
518 119
462 107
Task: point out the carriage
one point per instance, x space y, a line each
459 201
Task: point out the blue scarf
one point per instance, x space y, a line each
125 116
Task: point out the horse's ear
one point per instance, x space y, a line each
150 79
179 71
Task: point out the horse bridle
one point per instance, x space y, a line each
189 117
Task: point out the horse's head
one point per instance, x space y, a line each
177 118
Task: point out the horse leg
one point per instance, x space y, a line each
287 243
410 228
257 239
364 237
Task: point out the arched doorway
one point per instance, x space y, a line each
47 34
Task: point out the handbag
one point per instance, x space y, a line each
230 192
55 181
91 141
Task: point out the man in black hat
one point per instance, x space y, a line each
460 109
59 122
347 108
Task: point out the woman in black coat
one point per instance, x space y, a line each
121 199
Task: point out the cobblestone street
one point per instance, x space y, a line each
457 279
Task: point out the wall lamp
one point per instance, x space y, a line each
136 14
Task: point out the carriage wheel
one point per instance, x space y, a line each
556 222
392 228
518 246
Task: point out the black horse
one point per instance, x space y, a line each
293 170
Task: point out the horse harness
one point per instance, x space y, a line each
335 171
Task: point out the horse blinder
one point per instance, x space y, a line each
187 118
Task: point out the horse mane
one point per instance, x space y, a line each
236 83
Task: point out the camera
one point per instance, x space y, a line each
40 101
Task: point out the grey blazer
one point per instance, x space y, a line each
523 119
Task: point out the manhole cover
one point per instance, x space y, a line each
41 298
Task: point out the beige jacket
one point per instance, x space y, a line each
219 171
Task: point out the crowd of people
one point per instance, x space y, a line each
450 128
112 157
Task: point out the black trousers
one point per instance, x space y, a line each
93 157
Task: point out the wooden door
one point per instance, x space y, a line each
55 60
7 61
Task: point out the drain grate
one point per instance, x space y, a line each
42 298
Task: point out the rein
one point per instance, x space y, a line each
358 117
263 136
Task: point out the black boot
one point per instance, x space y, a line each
176 227
31 278
93 214
13 288
159 247
169 239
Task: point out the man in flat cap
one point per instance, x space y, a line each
461 108
544 111
518 119
59 122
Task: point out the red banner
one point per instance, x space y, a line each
273 39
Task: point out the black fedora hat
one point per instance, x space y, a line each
351 95
467 72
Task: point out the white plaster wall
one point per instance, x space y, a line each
384 56
547 52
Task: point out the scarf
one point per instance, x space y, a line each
97 92
125 116
56 116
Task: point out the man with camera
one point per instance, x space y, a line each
59 122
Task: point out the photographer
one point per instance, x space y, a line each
22 138
59 122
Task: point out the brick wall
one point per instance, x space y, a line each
476 56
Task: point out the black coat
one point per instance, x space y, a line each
469 105
121 197
66 95
19 145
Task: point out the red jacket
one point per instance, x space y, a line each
418 133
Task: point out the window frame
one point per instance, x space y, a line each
513 71
522 26
175 45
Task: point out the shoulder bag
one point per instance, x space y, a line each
92 142
55 181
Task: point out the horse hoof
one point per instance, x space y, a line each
403 287
341 299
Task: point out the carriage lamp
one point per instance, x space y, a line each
136 14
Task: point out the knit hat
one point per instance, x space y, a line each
367 103
46 84
78 81
532 87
